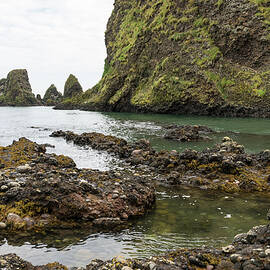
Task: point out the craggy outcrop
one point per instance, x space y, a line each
52 97
16 89
2 86
40 191
249 251
188 133
225 167
72 87
177 56
39 100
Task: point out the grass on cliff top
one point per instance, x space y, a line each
143 63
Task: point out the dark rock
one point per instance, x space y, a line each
163 66
226 166
52 97
72 87
188 133
73 197
16 90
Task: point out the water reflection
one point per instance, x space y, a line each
181 218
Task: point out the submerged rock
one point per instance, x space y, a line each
188 133
52 97
16 89
245 256
46 190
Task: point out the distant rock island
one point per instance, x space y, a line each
196 57
15 90
52 97
72 87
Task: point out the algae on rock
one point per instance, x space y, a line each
175 56
52 96
16 89
72 87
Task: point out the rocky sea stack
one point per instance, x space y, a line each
52 97
16 89
72 87
199 57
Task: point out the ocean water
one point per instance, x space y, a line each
181 218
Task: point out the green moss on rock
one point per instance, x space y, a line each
72 87
203 57
16 89
52 96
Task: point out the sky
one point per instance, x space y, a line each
54 38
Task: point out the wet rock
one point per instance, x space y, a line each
240 238
73 197
107 222
2 225
14 184
235 258
228 249
14 219
29 222
4 188
24 168
126 268
246 257
188 133
226 166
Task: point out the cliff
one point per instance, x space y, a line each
52 97
16 89
177 56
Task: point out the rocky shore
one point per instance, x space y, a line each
188 133
39 191
226 166
249 251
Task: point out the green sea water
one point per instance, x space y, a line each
181 217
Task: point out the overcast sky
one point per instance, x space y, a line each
53 38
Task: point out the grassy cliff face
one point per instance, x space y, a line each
52 97
72 87
196 56
16 89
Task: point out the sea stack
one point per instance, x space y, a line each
52 97
72 87
16 89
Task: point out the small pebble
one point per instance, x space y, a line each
228 249
126 268
4 188
3 225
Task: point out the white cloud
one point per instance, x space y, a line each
53 38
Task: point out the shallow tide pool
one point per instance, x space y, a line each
181 218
